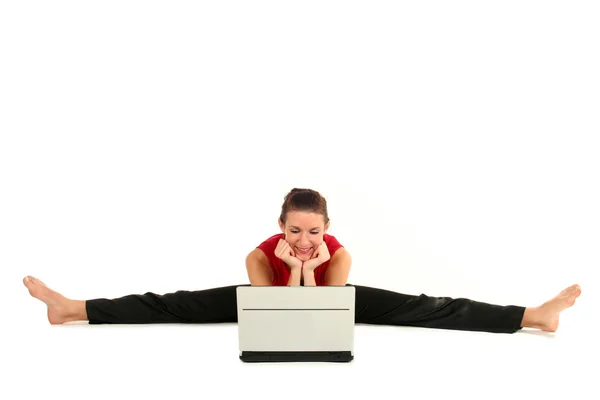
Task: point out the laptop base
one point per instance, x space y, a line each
296 356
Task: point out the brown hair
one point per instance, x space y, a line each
304 200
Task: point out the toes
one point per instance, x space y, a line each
571 290
575 289
30 280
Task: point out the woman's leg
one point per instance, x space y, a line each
202 306
384 307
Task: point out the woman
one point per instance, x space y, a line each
303 254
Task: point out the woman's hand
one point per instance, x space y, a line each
285 253
320 255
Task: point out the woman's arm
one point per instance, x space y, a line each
295 275
339 268
309 277
258 268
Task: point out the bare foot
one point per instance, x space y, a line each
547 314
60 309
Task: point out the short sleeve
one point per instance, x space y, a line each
332 244
270 244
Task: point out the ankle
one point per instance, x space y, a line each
76 311
81 312
531 318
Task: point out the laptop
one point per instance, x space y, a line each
296 323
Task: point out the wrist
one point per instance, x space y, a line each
295 266
311 264
308 267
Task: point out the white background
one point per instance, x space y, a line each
147 146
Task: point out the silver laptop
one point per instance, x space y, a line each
296 323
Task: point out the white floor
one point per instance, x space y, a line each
81 361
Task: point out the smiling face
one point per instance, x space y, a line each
304 232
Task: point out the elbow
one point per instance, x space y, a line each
257 270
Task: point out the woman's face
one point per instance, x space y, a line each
304 232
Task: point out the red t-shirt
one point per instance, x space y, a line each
281 272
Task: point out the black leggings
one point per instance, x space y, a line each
373 306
